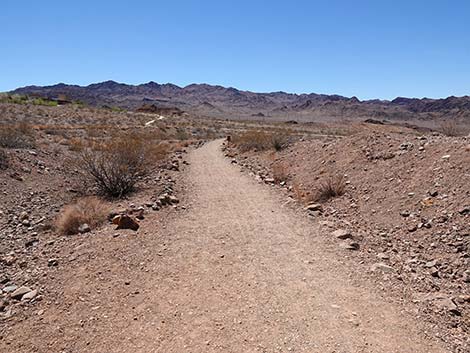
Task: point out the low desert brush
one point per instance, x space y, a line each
330 188
89 210
280 172
16 136
115 167
259 141
451 128
3 159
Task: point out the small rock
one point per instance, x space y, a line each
314 207
24 215
430 264
30 295
52 262
3 304
84 228
383 256
433 193
382 267
446 157
126 222
18 293
447 304
10 288
140 214
350 245
342 234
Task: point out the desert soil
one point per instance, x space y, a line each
238 269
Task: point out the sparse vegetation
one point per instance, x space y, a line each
260 141
451 128
89 210
331 187
17 136
3 159
21 99
116 166
280 172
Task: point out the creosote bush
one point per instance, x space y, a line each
89 210
260 141
330 188
115 167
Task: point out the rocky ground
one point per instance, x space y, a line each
405 212
404 220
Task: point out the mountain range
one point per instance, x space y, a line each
223 102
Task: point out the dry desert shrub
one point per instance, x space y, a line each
17 136
76 144
3 159
280 172
330 188
301 194
451 128
260 141
89 210
115 167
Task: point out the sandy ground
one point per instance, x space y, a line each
238 271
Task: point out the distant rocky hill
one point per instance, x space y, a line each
218 101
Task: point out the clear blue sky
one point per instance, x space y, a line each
370 49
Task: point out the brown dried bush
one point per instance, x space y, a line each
89 210
3 159
451 128
17 136
259 141
280 172
115 167
331 187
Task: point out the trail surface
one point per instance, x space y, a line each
250 276
243 272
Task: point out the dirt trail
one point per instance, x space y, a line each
244 273
249 275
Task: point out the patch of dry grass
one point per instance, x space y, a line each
89 210
332 187
255 140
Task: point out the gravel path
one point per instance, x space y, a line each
238 271
248 274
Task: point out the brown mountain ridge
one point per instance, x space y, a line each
229 102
